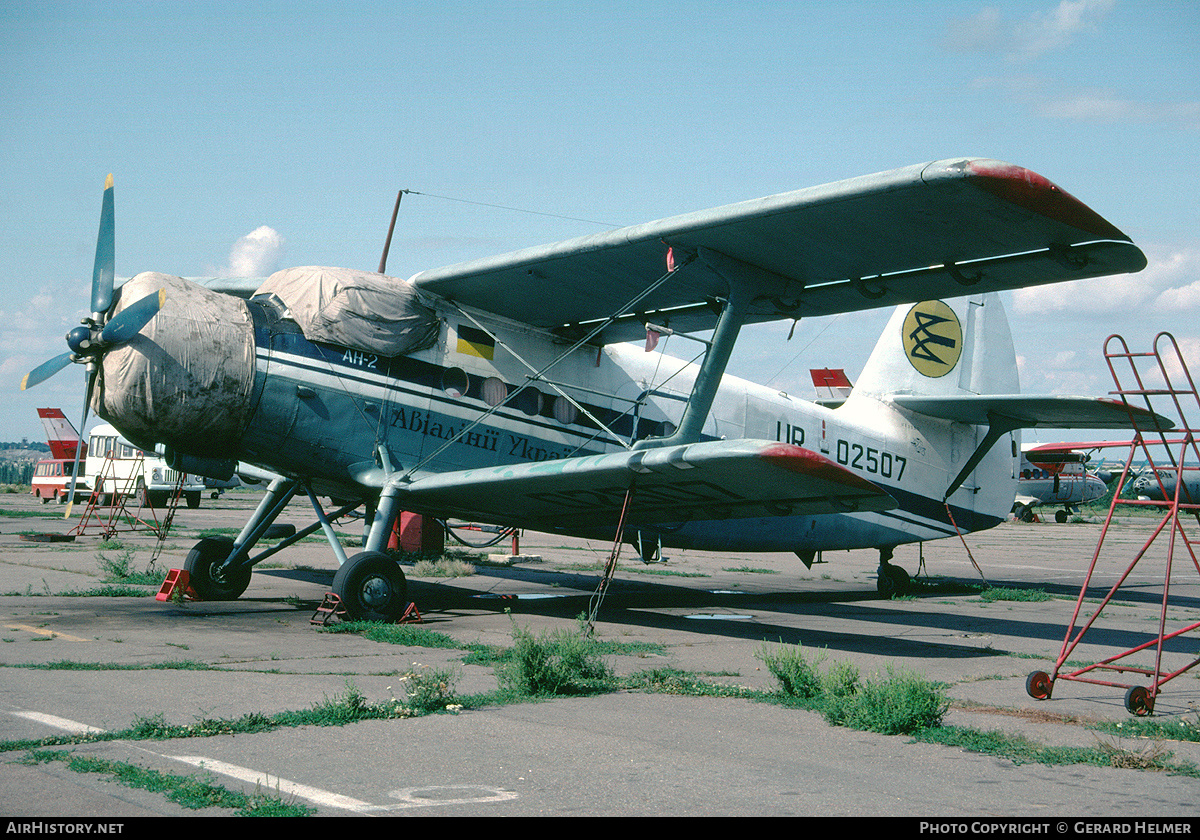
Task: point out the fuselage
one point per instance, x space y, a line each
322 410
487 392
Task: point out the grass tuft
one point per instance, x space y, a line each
901 703
559 662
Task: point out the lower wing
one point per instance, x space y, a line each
701 481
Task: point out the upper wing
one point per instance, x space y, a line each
926 231
1027 411
711 480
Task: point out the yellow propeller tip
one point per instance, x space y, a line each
108 183
24 381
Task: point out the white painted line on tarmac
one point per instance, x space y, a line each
281 786
418 797
73 726
422 797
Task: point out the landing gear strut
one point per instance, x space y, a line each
892 580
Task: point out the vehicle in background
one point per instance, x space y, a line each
1055 475
52 477
127 469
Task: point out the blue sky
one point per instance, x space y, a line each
246 137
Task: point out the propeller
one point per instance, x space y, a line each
99 333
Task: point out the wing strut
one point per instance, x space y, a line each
742 278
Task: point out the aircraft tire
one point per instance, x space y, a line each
1060 516
371 587
892 581
201 566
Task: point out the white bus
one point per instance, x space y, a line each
134 471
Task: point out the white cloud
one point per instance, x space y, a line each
1032 37
1045 32
256 254
1168 285
1102 106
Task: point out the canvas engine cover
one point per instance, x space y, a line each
186 380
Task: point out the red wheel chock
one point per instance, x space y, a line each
176 581
332 607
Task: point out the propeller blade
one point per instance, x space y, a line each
87 401
126 323
105 268
45 370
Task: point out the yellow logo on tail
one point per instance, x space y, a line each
932 338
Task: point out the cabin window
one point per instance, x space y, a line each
455 382
565 411
494 390
530 401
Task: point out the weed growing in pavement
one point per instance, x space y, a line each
119 567
797 675
442 567
429 689
1004 593
899 704
1022 750
1169 729
558 662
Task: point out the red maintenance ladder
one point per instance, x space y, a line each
1159 381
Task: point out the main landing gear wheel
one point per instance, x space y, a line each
1138 701
1038 685
371 587
1060 516
207 581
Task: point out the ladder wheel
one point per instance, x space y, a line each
1038 685
1138 701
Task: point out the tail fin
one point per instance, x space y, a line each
935 348
60 434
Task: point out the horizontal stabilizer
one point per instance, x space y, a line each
701 481
1027 411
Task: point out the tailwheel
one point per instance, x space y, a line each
371 587
1138 701
892 581
208 581
1038 685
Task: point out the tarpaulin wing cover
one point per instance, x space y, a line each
358 309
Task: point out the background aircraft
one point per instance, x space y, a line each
501 390
1055 475
64 440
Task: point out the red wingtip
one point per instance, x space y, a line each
1033 192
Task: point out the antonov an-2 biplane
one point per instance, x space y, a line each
504 390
